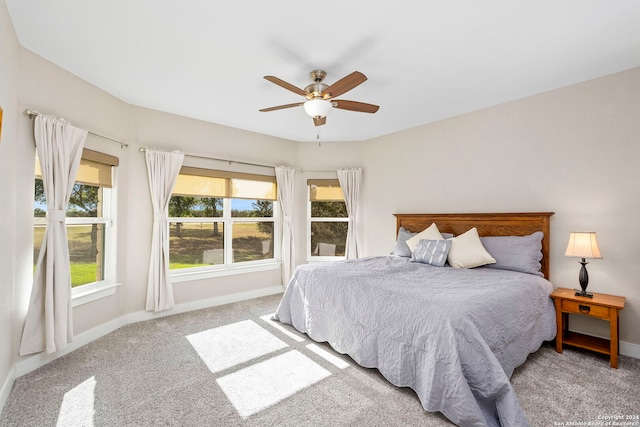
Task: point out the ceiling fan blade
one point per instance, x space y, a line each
345 84
354 106
281 107
286 85
319 121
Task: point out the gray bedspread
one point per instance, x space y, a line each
452 335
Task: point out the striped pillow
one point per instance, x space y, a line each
433 252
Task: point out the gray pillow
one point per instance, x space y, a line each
516 253
432 252
401 248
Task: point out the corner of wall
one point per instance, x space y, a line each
5 389
9 47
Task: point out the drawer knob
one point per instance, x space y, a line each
584 309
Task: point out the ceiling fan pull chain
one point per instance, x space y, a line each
318 136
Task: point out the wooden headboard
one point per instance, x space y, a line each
488 224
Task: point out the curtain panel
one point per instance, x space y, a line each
285 178
49 322
162 171
351 182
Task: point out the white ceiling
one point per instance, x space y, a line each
425 60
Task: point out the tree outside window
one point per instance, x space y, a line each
215 222
328 219
86 241
86 218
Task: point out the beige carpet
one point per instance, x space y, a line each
232 366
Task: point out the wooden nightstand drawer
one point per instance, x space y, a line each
585 308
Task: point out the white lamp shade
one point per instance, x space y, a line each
317 107
583 244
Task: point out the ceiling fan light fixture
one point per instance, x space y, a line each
317 108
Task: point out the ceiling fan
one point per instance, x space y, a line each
320 96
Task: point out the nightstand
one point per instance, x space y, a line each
601 306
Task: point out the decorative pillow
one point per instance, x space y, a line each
433 252
401 248
467 251
430 233
516 253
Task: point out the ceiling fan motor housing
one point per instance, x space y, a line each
315 90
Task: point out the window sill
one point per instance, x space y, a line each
92 292
314 259
186 275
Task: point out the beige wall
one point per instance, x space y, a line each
321 161
44 87
169 132
8 178
572 151
49 89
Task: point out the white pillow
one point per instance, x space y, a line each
467 251
430 233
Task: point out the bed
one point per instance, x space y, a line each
453 335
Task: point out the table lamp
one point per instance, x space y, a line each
583 244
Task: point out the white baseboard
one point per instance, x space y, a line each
31 363
6 388
141 316
624 348
629 349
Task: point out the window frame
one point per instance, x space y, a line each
310 220
230 267
92 291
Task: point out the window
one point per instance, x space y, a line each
328 219
89 220
221 219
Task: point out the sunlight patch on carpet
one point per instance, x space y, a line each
230 345
264 384
331 358
278 326
77 408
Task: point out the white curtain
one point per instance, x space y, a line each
285 177
162 169
49 322
350 182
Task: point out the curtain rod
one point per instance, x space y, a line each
325 170
32 114
143 149
222 160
